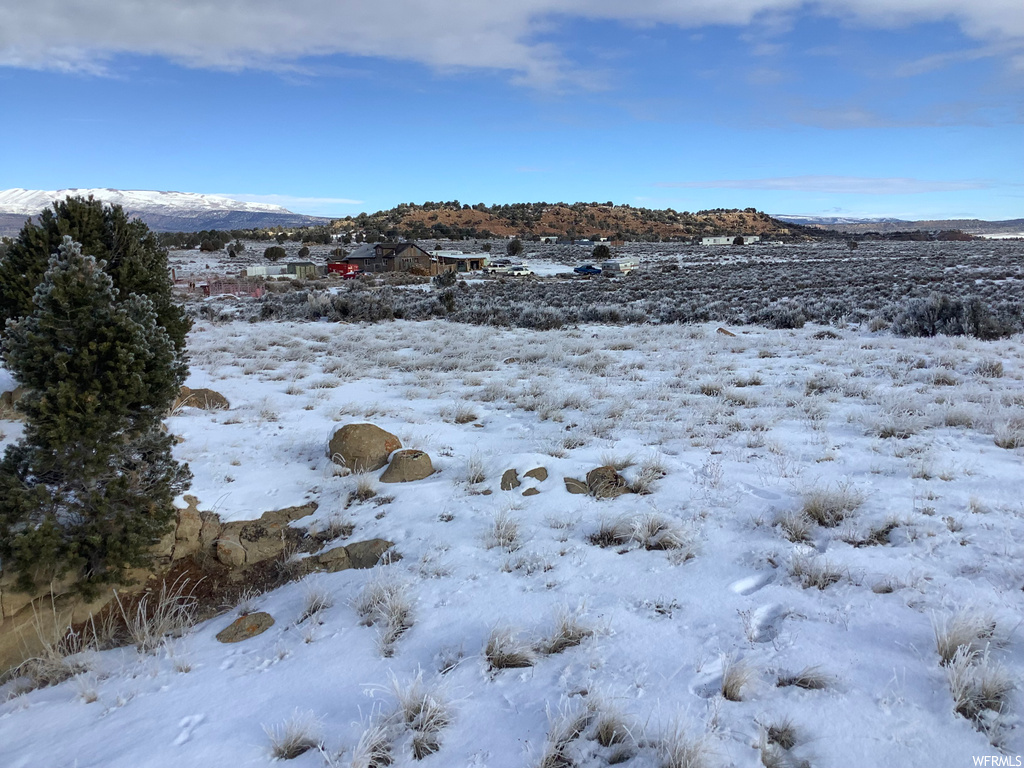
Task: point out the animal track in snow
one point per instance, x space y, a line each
750 584
187 725
765 621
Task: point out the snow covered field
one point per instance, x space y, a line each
817 506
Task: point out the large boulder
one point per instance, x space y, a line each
362 447
407 466
204 399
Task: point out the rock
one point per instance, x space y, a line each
7 402
407 466
266 537
331 561
540 474
190 522
362 447
572 485
531 492
230 551
164 547
510 480
366 554
606 483
210 531
245 627
281 517
204 399
725 332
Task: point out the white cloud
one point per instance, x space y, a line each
839 185
84 35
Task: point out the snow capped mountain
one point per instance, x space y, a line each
29 202
830 220
162 211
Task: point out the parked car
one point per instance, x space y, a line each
587 269
519 269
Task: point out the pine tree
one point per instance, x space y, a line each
90 484
134 259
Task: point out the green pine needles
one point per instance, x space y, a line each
89 487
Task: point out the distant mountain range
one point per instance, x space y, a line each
883 225
161 211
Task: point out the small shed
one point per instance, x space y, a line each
303 270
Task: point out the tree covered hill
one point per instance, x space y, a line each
578 220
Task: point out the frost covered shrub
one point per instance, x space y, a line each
782 317
940 314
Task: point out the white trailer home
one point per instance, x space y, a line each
618 266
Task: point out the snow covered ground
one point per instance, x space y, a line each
708 583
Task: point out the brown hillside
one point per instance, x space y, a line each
579 220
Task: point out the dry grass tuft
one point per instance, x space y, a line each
617 462
316 600
830 506
569 632
504 650
678 750
59 657
505 532
425 712
979 687
814 572
385 603
736 675
781 733
296 736
366 488
169 613
565 726
967 630
796 526
373 750
808 678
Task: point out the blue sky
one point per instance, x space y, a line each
839 107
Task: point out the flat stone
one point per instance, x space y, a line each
245 627
333 560
540 474
510 480
531 492
725 332
366 554
572 485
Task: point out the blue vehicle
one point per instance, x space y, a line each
587 269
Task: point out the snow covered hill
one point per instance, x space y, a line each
162 211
